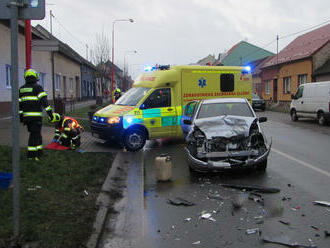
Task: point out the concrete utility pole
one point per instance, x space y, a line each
113 49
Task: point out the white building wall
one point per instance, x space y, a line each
40 62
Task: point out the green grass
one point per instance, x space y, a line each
58 214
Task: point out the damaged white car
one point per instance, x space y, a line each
224 134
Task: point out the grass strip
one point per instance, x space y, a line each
55 210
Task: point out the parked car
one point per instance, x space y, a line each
225 134
258 102
312 100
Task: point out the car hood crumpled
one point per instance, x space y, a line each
225 126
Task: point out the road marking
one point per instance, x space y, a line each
310 166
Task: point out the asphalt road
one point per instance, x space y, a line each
298 165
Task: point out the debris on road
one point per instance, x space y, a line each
206 216
187 219
284 222
284 240
315 227
85 192
196 243
258 189
322 203
326 233
215 196
178 201
252 231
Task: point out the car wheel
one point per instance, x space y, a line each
134 140
262 166
321 119
294 116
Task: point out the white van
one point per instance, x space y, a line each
312 100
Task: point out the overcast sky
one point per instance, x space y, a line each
181 31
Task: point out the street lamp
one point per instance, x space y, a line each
127 53
113 48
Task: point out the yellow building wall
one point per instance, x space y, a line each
293 70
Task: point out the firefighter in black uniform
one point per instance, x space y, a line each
67 131
32 98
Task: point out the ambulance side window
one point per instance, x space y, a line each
160 98
227 82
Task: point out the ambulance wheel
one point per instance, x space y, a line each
135 140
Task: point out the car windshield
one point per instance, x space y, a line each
218 109
255 96
132 96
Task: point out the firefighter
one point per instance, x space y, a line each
32 98
117 94
67 131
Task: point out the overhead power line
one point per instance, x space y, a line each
72 35
304 30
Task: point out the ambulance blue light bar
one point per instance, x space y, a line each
246 69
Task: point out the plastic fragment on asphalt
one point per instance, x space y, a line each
326 233
212 219
258 217
284 222
178 201
252 231
258 189
85 192
315 228
196 243
284 240
206 216
322 203
187 219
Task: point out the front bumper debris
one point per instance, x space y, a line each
231 162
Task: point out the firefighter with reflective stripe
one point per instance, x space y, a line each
32 99
67 131
116 94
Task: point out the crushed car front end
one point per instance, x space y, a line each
227 142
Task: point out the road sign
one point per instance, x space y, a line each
45 45
28 9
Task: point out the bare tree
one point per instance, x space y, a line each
100 55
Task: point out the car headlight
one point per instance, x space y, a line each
113 120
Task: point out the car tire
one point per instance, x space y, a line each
294 116
320 117
134 140
262 166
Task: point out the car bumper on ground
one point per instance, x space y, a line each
106 131
202 166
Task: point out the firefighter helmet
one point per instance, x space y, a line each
31 73
117 90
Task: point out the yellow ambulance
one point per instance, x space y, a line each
153 107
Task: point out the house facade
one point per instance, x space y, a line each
299 62
40 62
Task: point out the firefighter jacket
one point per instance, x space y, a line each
66 126
32 98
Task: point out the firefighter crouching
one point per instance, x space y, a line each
67 131
32 98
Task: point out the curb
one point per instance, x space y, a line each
126 174
103 201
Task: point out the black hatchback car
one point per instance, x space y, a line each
258 102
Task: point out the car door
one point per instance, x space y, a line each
159 114
188 115
299 101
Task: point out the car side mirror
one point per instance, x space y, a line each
262 119
187 122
